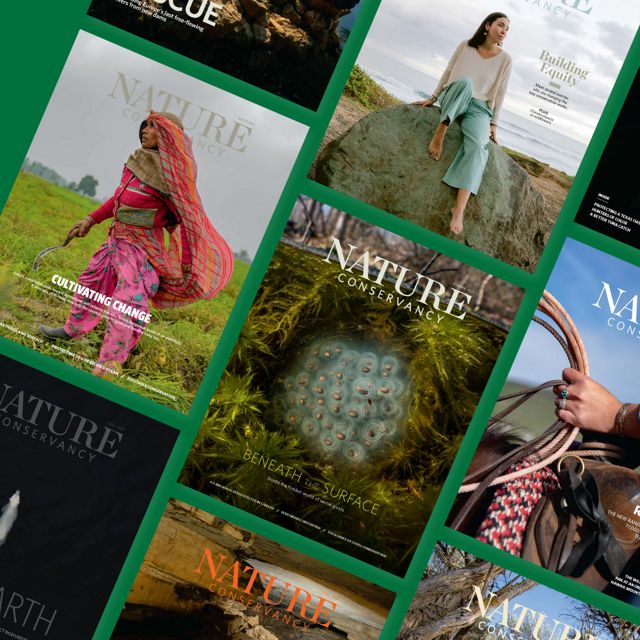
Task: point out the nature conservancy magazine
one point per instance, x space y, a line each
565 498
473 599
471 117
351 386
130 230
204 577
77 473
612 202
288 48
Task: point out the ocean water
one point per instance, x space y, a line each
515 132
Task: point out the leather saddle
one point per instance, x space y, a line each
589 528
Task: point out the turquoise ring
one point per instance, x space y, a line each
564 394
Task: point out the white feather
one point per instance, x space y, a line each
8 516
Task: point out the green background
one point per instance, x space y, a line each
36 39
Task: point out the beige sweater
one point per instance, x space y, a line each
489 76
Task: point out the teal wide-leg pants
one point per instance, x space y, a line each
465 172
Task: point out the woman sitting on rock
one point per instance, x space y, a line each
472 88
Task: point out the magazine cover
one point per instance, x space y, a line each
73 492
204 577
288 48
131 228
612 202
457 118
351 386
466 597
554 479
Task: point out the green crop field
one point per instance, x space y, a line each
178 344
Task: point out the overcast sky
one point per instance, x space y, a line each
613 355
89 128
412 39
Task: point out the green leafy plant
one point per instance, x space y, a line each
368 92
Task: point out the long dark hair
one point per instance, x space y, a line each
478 37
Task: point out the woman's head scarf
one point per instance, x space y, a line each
209 259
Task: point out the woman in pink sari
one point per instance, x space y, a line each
135 266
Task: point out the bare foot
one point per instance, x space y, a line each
456 221
437 142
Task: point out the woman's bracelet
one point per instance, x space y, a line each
619 419
90 220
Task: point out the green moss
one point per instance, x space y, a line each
368 92
536 168
448 362
530 165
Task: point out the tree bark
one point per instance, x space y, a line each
461 618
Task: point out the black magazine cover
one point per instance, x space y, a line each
77 473
612 202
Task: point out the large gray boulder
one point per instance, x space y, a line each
383 161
